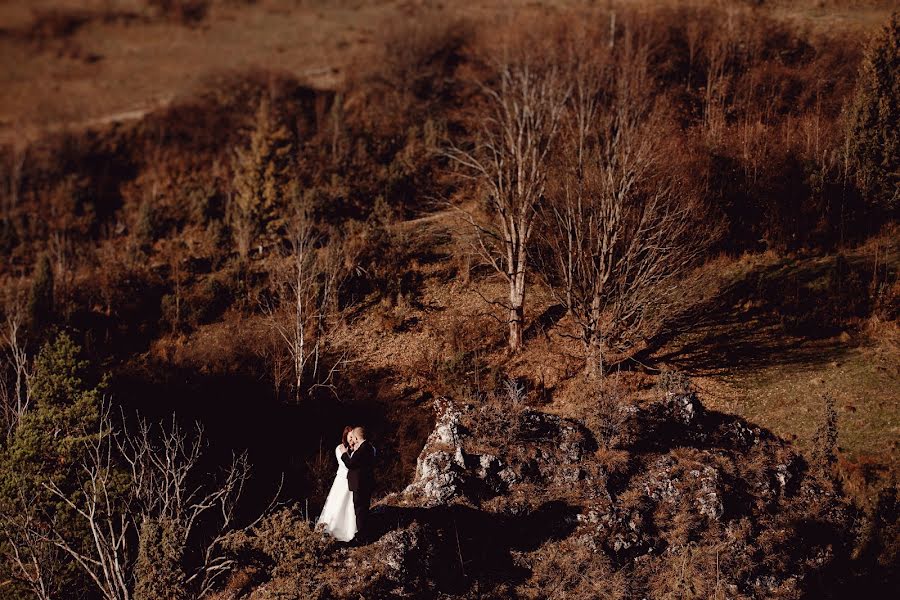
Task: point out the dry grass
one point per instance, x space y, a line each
109 69
746 344
778 379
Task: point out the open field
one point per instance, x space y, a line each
80 63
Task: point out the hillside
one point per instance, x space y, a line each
614 287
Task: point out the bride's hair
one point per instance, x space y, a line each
344 435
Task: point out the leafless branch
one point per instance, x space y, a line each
33 559
15 372
515 141
621 228
305 295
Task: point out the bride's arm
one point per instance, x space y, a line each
358 459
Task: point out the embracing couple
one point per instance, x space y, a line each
346 509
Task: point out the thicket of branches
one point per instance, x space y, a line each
89 502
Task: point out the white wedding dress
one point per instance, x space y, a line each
337 514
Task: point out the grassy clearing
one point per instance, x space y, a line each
788 399
751 359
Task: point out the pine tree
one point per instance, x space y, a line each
40 299
874 116
48 447
261 174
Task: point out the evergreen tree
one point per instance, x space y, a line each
261 176
874 118
48 446
40 299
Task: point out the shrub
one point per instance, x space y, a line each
824 455
674 381
383 252
291 549
886 300
157 571
147 228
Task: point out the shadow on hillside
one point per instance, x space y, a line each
778 314
238 411
545 321
464 546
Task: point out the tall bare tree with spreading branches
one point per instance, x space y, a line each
509 160
622 226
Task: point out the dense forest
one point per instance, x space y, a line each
614 287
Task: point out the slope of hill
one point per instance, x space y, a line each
245 214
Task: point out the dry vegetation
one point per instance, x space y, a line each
277 217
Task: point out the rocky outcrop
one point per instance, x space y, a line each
517 502
689 476
536 449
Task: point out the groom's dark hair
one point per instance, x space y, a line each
361 430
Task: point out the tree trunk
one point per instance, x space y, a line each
516 306
594 365
516 318
594 339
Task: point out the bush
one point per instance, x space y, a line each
147 228
157 572
40 299
825 442
673 381
291 549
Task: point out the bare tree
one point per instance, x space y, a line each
15 376
305 294
720 52
107 558
177 253
33 559
620 225
164 489
590 71
130 480
509 161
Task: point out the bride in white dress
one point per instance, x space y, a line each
337 514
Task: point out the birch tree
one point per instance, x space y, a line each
622 226
305 288
509 161
15 372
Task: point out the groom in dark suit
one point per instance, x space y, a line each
360 461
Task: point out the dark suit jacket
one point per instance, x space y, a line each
360 465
